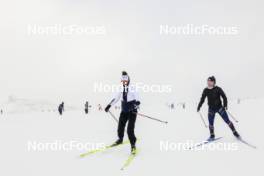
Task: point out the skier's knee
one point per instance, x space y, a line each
130 132
210 113
228 122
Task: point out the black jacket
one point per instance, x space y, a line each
214 98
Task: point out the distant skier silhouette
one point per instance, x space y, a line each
61 108
86 107
100 107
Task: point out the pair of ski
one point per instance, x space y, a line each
127 162
208 141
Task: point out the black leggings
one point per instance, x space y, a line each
131 118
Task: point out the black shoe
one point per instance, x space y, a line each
236 134
133 150
118 142
211 138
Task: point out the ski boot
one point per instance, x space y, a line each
118 142
211 138
235 133
133 150
212 135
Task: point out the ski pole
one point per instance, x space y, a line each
112 115
232 117
152 118
206 126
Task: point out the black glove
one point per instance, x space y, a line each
136 106
137 103
107 108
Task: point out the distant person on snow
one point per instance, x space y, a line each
61 108
214 93
100 107
172 106
86 107
183 105
129 105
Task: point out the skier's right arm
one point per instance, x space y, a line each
201 100
113 101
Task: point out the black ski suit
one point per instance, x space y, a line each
129 104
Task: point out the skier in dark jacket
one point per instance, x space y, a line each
86 107
129 106
214 94
61 108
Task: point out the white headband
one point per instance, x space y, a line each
124 78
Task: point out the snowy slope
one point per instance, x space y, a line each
21 105
16 130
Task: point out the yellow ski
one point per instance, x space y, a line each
101 149
130 159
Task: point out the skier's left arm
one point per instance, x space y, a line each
223 95
137 98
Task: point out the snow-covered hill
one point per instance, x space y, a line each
18 130
21 105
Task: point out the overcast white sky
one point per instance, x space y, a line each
66 67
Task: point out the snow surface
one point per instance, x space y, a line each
17 129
